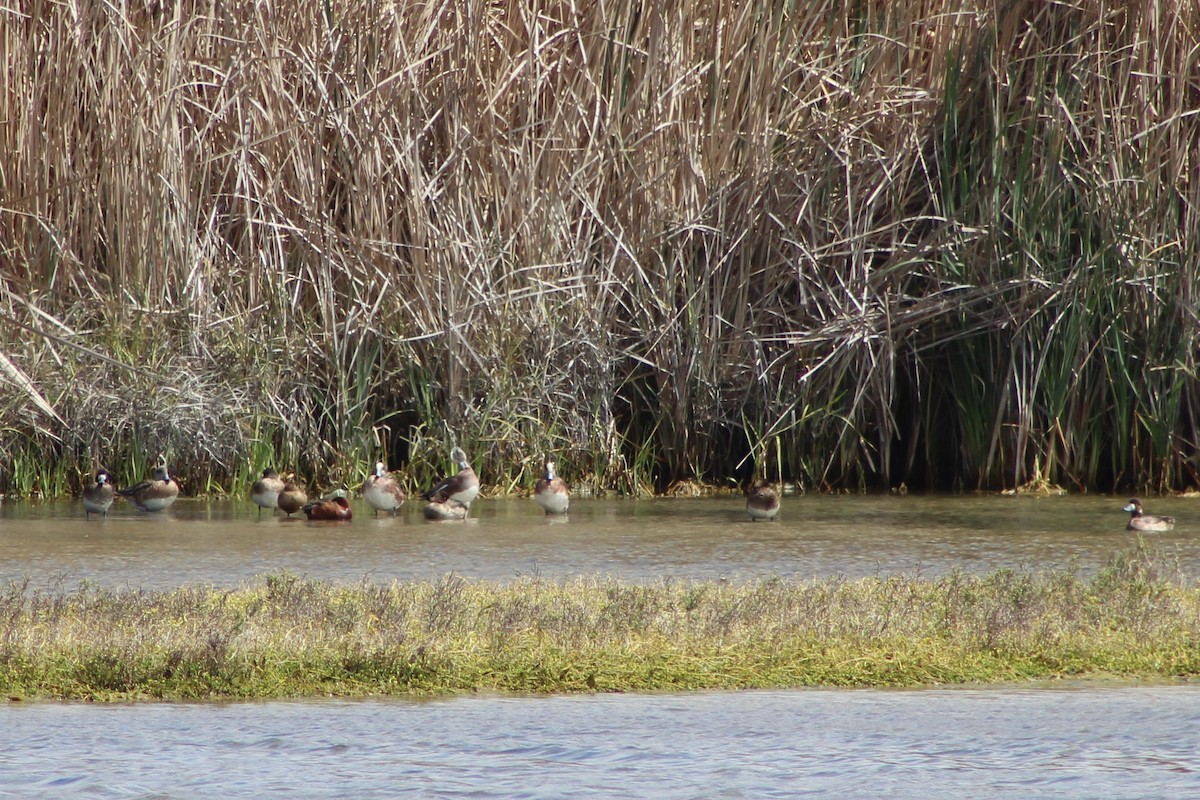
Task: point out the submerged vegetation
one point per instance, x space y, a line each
944 243
287 636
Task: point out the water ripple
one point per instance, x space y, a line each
1094 741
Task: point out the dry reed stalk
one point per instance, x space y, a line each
934 242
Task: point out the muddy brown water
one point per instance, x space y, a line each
227 543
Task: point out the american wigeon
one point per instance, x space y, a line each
265 491
447 509
335 508
461 488
551 492
381 491
1140 521
154 494
762 502
291 498
98 497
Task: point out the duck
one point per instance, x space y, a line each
447 509
381 491
1140 521
291 498
335 508
762 502
265 491
462 487
98 497
551 492
154 494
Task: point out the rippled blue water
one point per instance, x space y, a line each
1047 742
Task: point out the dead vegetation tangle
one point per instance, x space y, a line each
949 244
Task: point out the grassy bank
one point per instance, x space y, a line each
942 242
291 637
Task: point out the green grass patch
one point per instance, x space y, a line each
286 636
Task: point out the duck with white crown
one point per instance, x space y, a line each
551 492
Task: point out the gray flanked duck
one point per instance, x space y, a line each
154 494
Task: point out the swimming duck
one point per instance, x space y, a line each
462 487
381 491
335 508
1139 521
291 498
154 494
762 502
265 491
99 496
445 510
551 492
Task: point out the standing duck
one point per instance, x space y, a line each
381 491
291 498
98 497
265 491
154 494
762 502
1140 521
462 487
551 492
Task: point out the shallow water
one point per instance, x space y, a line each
226 543
1087 741
1094 742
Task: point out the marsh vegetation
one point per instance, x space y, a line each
946 244
286 636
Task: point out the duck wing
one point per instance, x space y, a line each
130 491
439 492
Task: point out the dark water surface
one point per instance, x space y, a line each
957 743
225 543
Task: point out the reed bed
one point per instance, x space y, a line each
287 636
943 243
